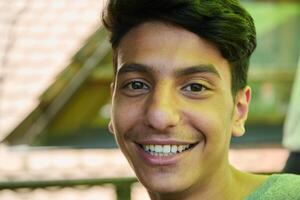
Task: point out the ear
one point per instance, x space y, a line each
110 126
112 86
241 108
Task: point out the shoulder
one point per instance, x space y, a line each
286 181
277 187
286 186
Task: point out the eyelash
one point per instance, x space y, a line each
202 87
131 82
199 87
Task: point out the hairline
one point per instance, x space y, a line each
234 90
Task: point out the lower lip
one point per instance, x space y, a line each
161 160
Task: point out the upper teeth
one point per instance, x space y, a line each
165 149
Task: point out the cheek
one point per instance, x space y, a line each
213 126
125 115
212 119
208 123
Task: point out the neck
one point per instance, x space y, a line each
226 184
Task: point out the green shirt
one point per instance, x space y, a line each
278 187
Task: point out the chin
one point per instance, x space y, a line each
165 184
160 189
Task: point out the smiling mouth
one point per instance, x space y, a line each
166 150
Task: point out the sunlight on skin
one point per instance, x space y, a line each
164 101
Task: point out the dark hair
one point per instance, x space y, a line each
223 22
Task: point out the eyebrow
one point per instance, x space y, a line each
202 68
134 67
145 69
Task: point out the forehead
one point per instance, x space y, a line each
166 46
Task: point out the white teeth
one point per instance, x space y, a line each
158 148
174 149
152 148
165 150
180 148
147 147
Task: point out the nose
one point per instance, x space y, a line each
162 111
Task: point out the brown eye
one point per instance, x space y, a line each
194 87
136 85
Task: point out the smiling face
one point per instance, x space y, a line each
172 109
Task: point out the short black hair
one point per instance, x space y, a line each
225 23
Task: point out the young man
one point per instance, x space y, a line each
180 93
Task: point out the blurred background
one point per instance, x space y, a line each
55 73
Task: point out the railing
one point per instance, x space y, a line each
106 167
122 185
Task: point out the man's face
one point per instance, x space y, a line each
172 109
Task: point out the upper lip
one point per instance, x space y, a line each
164 142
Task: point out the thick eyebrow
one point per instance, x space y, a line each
198 69
135 67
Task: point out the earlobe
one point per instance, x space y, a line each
242 101
112 85
110 128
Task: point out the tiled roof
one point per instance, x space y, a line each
37 41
